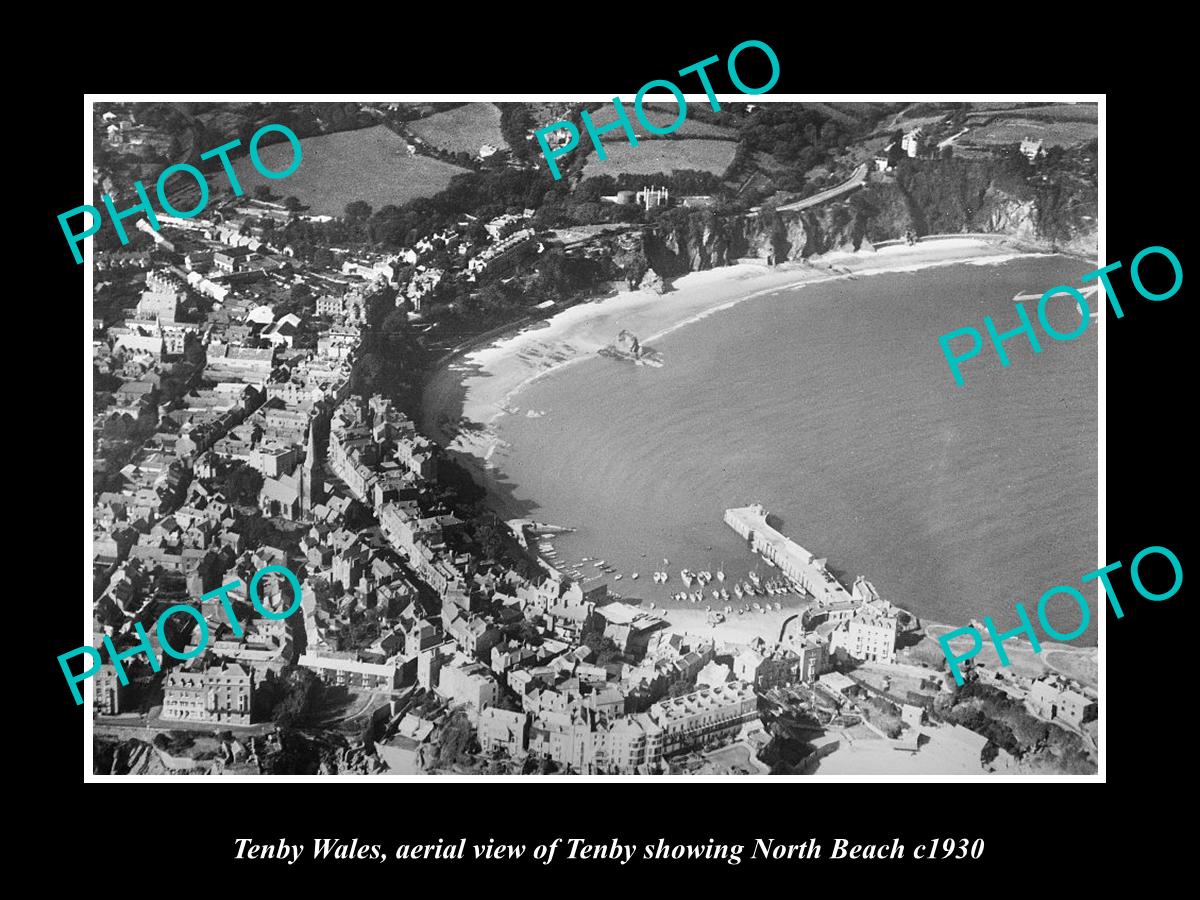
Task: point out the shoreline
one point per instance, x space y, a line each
473 387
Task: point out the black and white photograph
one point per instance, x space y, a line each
716 436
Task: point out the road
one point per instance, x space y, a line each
856 180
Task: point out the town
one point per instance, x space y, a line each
253 385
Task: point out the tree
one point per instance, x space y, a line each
454 739
243 485
358 211
262 192
299 692
292 203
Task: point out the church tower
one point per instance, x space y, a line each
312 477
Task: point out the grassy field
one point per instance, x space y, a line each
1010 131
370 164
464 129
659 115
1084 112
662 156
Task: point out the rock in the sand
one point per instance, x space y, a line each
627 342
652 281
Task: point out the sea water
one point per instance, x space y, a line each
833 406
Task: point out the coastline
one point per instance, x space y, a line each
471 389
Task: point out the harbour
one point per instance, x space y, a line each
864 455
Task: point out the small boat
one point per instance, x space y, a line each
778 605
756 606
686 576
716 595
737 589
721 573
652 605
598 565
753 576
634 576
586 559
618 577
741 611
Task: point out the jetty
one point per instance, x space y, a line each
802 567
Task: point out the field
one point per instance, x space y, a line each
1011 131
1085 112
464 129
662 156
661 116
370 164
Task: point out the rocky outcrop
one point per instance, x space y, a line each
652 281
962 198
627 342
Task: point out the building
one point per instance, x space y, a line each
911 142
1055 699
502 729
231 259
109 691
165 296
352 672
869 636
705 717
1031 150
402 751
221 693
652 197
472 683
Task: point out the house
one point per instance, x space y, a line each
472 683
502 729
653 197
911 142
401 752
109 691
351 672
220 693
231 259
1031 150
1056 699
869 635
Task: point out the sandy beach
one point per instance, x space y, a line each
477 387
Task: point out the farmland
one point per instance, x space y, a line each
464 129
369 164
659 115
1013 130
662 156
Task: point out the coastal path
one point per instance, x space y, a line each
856 180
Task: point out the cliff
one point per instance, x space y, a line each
940 197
